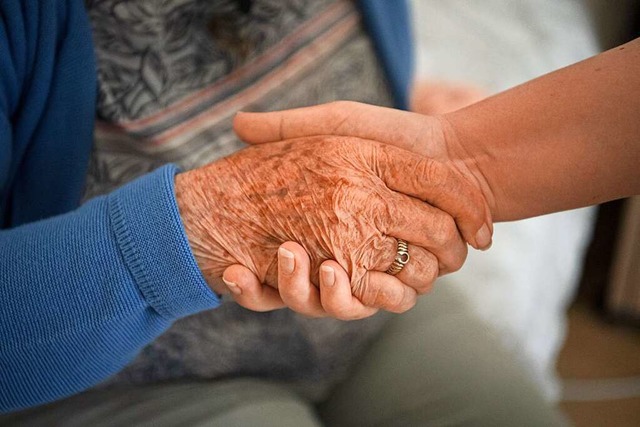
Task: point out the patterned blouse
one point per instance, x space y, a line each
172 74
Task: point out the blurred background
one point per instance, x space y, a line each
564 289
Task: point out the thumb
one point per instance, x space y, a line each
345 118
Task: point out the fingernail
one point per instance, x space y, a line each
328 276
483 238
232 287
286 260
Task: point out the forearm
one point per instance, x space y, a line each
83 292
565 140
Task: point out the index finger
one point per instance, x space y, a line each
346 118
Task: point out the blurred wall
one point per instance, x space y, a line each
614 20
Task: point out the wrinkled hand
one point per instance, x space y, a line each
429 136
416 132
340 198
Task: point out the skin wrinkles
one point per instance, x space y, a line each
488 145
323 192
428 136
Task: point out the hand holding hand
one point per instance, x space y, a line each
422 134
429 136
340 199
331 297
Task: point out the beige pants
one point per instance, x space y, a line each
437 365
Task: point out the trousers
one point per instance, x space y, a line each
436 365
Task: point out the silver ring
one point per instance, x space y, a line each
402 258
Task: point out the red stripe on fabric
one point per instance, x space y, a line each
247 69
293 66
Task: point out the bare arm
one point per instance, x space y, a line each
568 139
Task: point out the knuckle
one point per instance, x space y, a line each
445 230
424 288
394 301
390 298
377 210
433 271
426 170
365 291
458 258
407 299
385 249
428 276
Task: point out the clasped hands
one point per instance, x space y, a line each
309 216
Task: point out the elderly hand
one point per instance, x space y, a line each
426 135
416 132
340 198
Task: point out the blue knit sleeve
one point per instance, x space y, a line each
83 292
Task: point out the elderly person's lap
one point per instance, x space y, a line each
435 365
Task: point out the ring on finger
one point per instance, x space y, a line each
402 258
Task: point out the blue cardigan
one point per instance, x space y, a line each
84 289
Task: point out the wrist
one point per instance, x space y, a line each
470 157
195 213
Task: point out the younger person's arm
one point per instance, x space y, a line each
567 139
